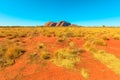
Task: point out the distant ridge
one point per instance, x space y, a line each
58 24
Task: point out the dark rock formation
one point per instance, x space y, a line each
59 24
50 24
63 23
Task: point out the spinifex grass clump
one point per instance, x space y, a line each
11 35
70 34
34 57
62 39
106 37
2 35
8 54
45 55
94 40
2 50
72 44
116 36
66 58
14 52
41 46
99 42
40 57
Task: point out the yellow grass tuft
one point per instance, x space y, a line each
66 58
108 59
84 73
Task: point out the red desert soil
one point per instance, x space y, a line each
113 46
22 70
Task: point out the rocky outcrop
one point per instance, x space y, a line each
63 23
50 24
59 24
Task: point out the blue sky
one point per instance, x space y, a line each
82 12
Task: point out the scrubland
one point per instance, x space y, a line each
59 53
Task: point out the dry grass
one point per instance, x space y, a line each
66 58
116 36
85 73
108 59
8 54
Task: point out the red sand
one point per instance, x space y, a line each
22 70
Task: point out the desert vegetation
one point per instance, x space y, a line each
9 52
79 51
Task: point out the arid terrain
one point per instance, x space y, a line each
59 53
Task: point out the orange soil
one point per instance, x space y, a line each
22 70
